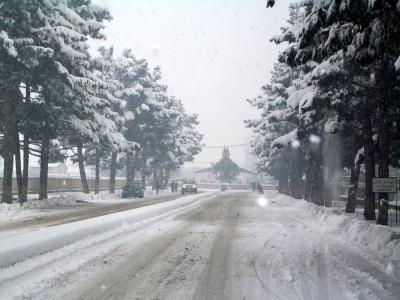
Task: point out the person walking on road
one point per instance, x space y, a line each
157 187
260 189
174 186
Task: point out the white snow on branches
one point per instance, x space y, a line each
397 63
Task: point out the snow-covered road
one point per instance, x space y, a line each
229 245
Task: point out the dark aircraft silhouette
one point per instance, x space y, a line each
225 169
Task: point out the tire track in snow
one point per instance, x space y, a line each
258 277
215 278
323 276
280 266
37 274
346 261
142 276
116 282
357 271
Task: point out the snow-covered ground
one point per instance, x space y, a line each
58 204
307 252
215 245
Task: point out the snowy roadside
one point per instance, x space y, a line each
292 249
219 245
19 247
59 203
365 236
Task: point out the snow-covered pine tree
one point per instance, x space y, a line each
276 141
49 38
364 37
177 137
18 53
137 84
107 67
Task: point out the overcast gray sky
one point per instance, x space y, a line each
213 55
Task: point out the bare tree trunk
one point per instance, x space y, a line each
8 112
161 178
82 172
307 188
296 182
44 154
330 161
97 176
317 176
153 187
17 151
128 168
383 170
329 187
113 169
317 190
280 184
25 174
283 178
158 180
353 189
167 176
44 164
143 171
369 201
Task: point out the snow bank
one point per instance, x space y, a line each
376 238
52 202
22 246
35 208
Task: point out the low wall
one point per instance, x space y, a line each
67 184
233 186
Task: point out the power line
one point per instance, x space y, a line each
226 146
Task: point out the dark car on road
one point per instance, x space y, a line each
133 190
189 186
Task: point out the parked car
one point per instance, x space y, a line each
189 186
133 190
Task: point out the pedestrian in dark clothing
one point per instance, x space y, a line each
174 186
260 189
157 187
